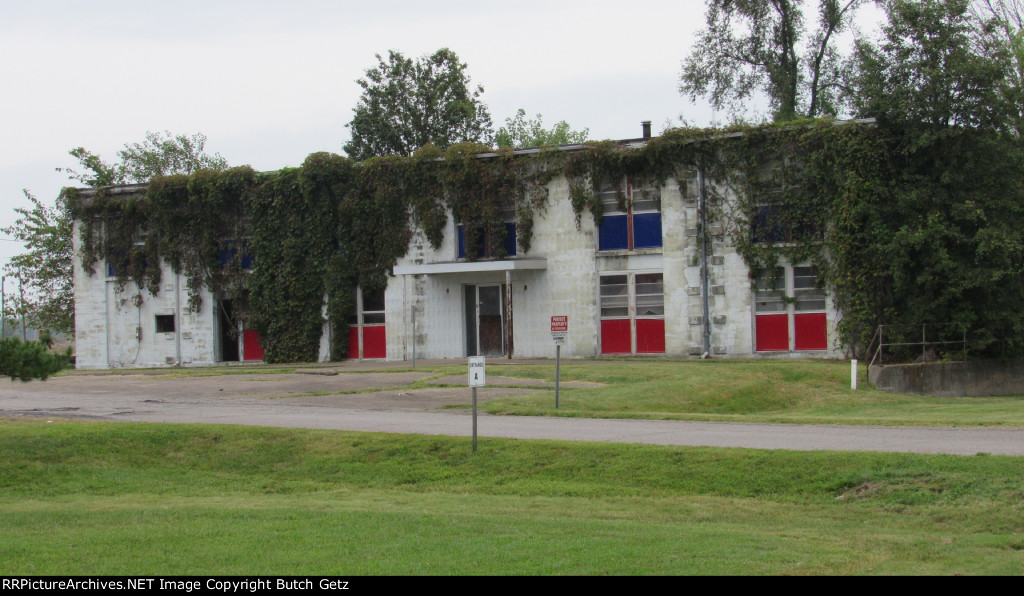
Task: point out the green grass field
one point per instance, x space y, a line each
791 391
125 498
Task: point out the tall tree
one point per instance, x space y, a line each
46 267
752 46
407 104
997 22
159 154
931 69
949 194
519 133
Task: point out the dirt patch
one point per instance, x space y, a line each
503 381
409 399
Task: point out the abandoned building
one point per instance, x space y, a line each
638 283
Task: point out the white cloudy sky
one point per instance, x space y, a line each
270 81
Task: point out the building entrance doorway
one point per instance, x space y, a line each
236 344
485 320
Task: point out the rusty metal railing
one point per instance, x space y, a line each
901 340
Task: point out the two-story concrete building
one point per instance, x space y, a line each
651 279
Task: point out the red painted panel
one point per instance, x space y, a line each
375 343
772 333
251 345
353 343
650 336
810 331
616 337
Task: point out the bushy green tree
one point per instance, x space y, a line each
159 154
407 104
943 205
930 74
47 265
25 361
763 46
996 22
519 133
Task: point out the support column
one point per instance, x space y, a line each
508 313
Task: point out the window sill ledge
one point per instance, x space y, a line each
625 252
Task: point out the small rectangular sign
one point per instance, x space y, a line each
477 375
559 323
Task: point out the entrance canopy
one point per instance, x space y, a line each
473 266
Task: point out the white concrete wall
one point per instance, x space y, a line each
569 286
116 326
90 311
107 318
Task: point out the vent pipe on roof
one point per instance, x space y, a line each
647 129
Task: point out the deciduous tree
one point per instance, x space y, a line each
949 195
46 266
408 103
763 46
519 133
159 154
927 71
1002 22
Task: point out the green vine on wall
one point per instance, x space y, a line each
333 225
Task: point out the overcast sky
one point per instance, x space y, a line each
269 82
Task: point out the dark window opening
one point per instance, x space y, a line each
486 251
165 323
230 249
777 223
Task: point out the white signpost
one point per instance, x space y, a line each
559 331
477 378
477 374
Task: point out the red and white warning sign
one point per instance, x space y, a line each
559 328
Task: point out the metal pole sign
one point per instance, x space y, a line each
477 378
559 329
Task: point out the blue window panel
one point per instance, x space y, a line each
228 250
767 227
647 230
510 239
613 233
112 271
462 243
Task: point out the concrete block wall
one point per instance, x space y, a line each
570 285
116 326
107 318
90 311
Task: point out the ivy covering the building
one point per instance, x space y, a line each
900 230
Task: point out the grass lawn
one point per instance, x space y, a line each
790 391
125 498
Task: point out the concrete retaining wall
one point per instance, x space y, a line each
952 379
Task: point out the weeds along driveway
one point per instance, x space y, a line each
401 402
